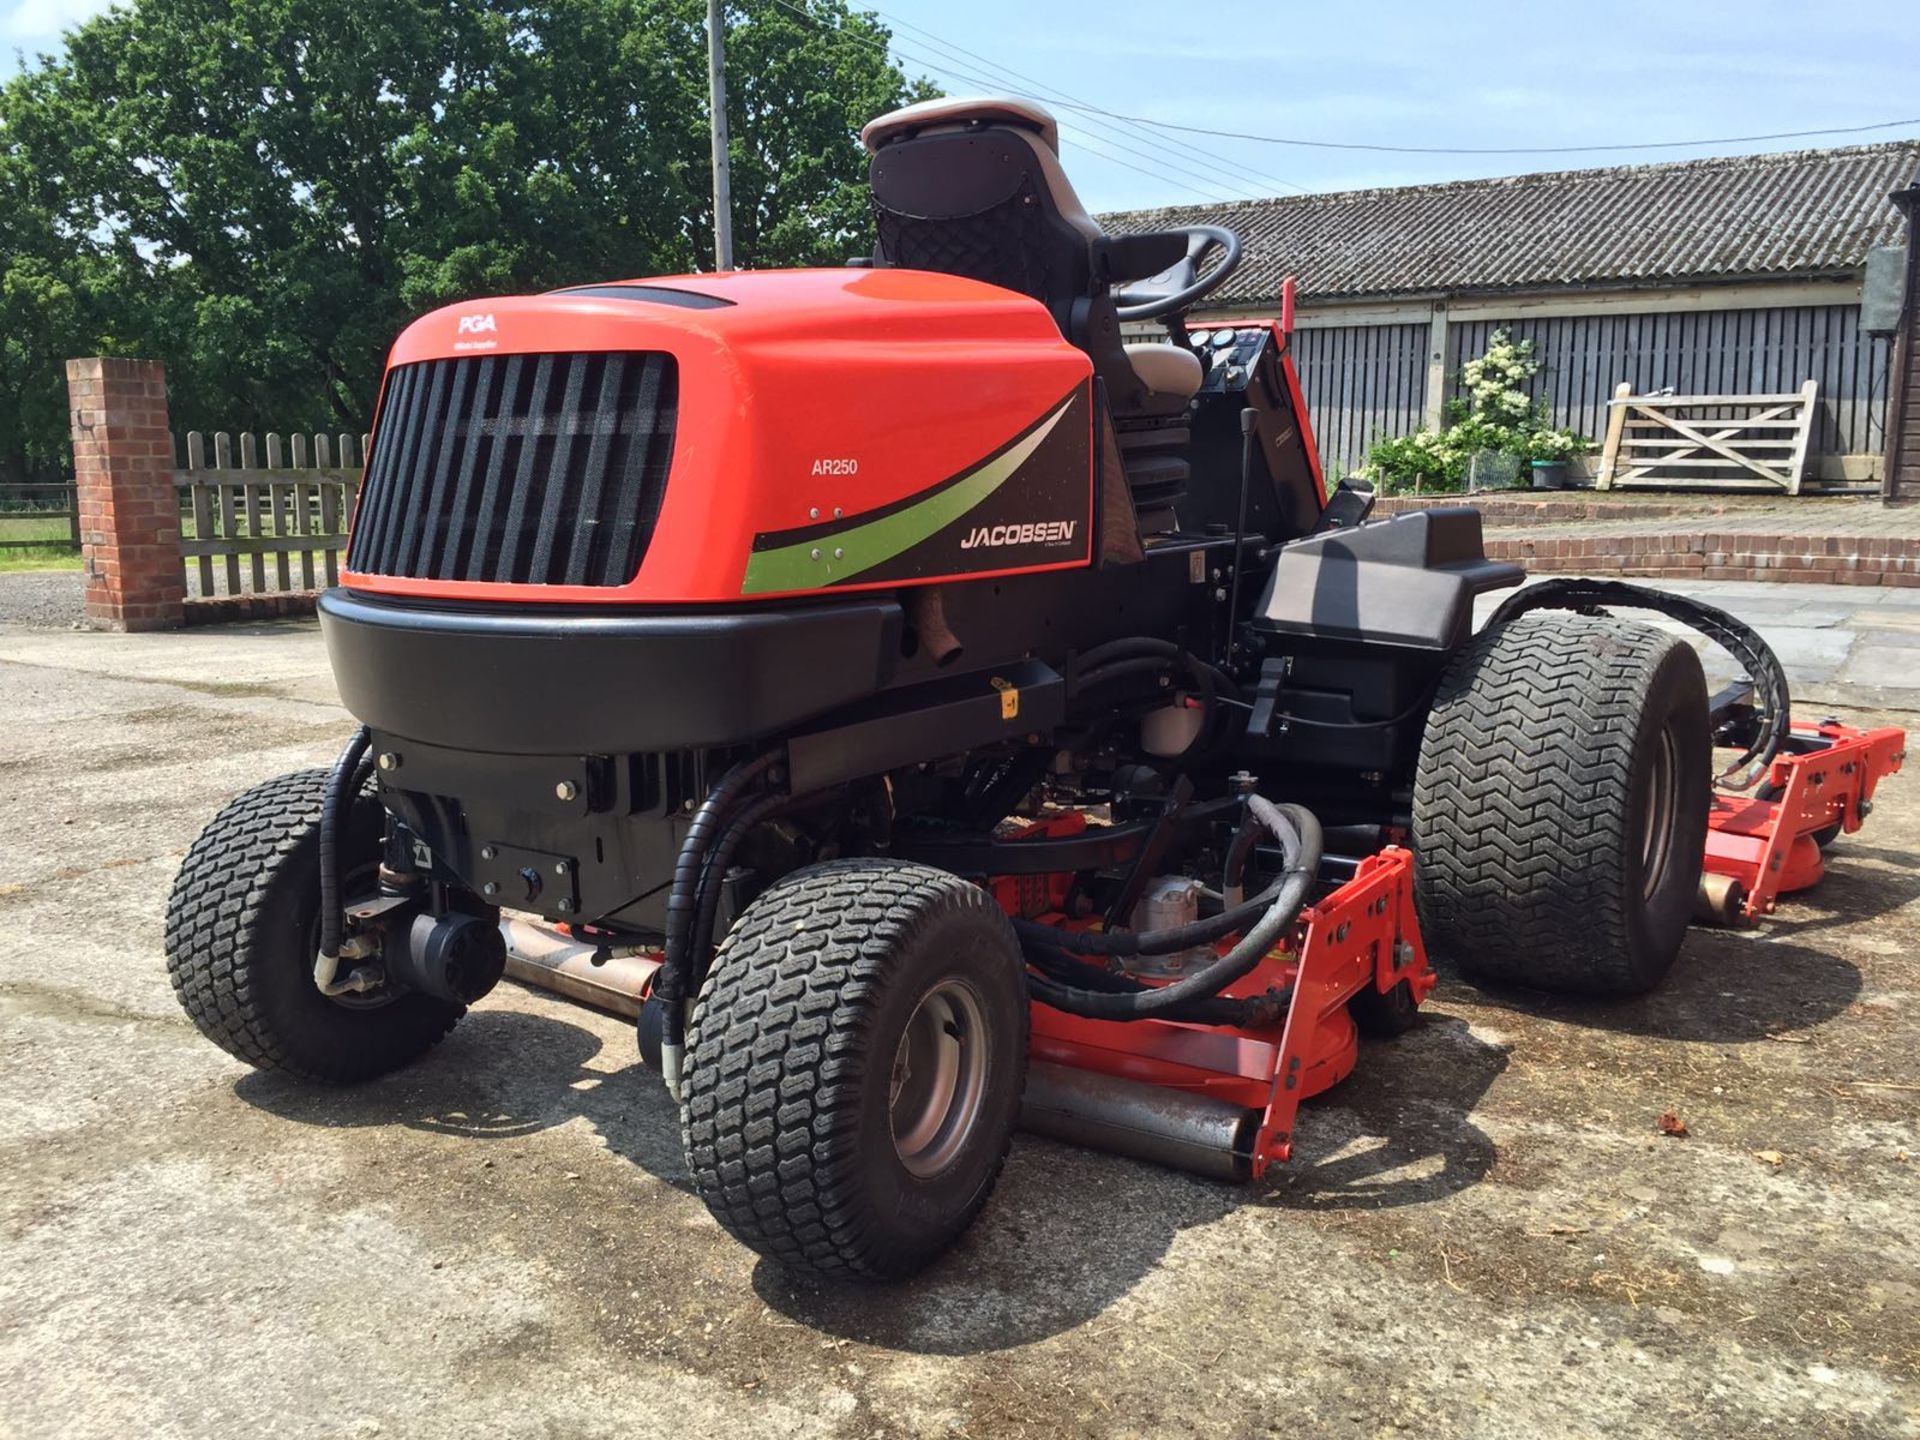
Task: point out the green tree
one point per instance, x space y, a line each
266 191
51 272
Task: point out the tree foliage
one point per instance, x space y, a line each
262 192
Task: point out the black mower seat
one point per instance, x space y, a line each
974 187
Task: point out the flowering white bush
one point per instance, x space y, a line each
1494 381
1495 414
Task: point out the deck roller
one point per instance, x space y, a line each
612 980
1179 1128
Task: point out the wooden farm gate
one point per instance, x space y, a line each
1718 442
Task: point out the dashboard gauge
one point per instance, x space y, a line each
1222 339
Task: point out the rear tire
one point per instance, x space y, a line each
1560 804
854 1067
243 931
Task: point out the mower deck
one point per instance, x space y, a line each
1361 937
1765 845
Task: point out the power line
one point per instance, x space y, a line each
1208 158
1096 142
1499 149
954 71
1002 83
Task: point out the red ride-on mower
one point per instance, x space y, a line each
927 704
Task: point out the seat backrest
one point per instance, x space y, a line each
975 188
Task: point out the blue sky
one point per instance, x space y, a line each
1390 72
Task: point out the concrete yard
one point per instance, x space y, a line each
1486 1235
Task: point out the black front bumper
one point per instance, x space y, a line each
569 682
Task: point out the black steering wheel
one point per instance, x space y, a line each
1181 286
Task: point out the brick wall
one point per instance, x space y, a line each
129 511
1526 508
1727 555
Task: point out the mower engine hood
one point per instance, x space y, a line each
714 438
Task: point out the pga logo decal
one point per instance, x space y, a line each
472 326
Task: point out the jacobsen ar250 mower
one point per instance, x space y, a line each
936 705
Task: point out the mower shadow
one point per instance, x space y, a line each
1727 987
501 1075
1070 1233
1398 1131
1850 894
1730 986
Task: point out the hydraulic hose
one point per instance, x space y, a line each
1090 665
1299 836
1733 635
720 859
683 903
1238 853
1175 938
1261 1009
343 785
1144 655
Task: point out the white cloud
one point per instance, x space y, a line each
42 22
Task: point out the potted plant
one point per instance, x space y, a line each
1548 452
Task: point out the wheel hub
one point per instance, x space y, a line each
938 1078
1659 820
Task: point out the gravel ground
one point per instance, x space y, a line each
1485 1233
42 599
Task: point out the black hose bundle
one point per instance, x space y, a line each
1241 1013
1734 636
1145 655
1195 997
1141 654
687 903
343 786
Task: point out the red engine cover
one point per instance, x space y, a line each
837 429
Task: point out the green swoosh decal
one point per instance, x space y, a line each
842 556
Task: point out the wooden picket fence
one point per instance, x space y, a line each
267 517
1715 442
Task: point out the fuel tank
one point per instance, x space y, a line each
721 439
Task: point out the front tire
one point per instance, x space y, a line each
243 930
854 1067
1560 804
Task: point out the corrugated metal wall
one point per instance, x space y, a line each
1362 382
1702 352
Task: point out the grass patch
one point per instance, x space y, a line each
56 554
39 557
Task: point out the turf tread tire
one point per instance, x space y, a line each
1524 804
783 1043
240 922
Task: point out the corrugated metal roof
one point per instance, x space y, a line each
1799 215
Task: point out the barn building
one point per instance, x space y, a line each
1722 276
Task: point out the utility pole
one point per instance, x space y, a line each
717 105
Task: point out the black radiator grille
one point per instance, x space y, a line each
529 469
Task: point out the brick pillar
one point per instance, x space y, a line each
129 511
